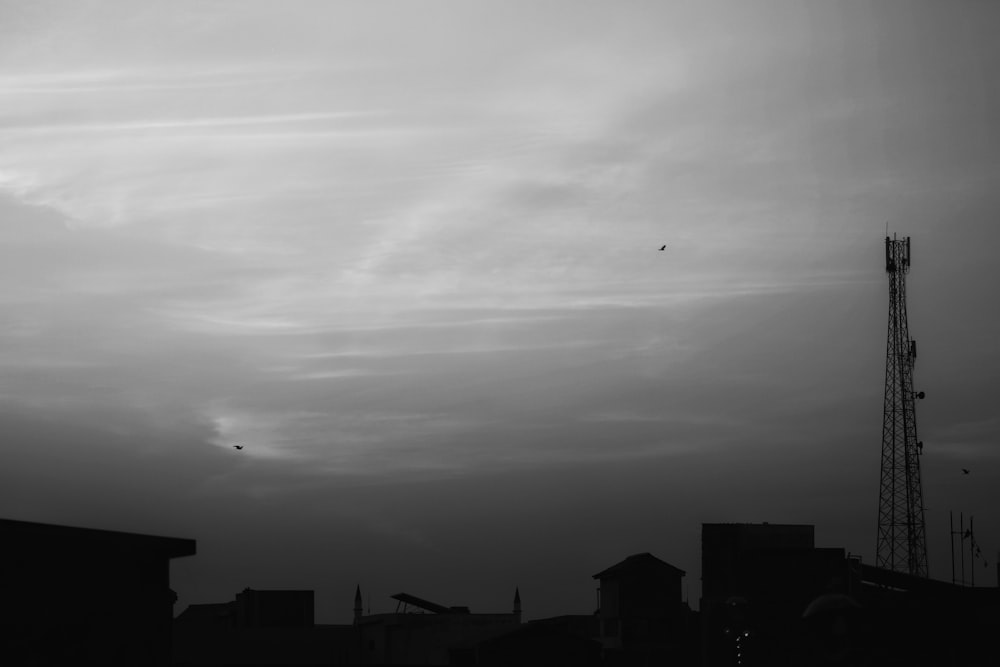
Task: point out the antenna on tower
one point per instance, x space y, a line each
901 545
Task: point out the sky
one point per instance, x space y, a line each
407 255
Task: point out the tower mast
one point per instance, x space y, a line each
901 536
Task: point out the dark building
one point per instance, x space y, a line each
276 628
757 580
426 633
274 609
568 641
914 620
254 609
259 627
770 597
74 596
643 619
726 546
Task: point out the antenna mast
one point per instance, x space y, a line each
902 545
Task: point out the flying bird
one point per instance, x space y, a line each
965 471
237 446
663 248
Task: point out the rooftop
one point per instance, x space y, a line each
47 535
643 560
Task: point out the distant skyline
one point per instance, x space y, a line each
407 255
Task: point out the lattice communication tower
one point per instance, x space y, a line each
902 545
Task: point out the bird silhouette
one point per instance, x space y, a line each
237 446
663 248
965 471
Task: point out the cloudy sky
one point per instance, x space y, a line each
407 255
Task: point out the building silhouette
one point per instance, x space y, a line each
643 620
770 597
421 632
276 627
757 580
569 641
259 627
79 596
926 621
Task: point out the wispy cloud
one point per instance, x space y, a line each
189 123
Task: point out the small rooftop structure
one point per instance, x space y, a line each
425 632
426 605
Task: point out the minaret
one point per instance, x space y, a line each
357 605
517 603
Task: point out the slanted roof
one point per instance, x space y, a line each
49 536
406 598
634 562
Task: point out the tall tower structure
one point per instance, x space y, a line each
902 545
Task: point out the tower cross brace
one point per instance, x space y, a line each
902 545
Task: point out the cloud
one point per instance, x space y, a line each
480 262
190 123
462 383
278 245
